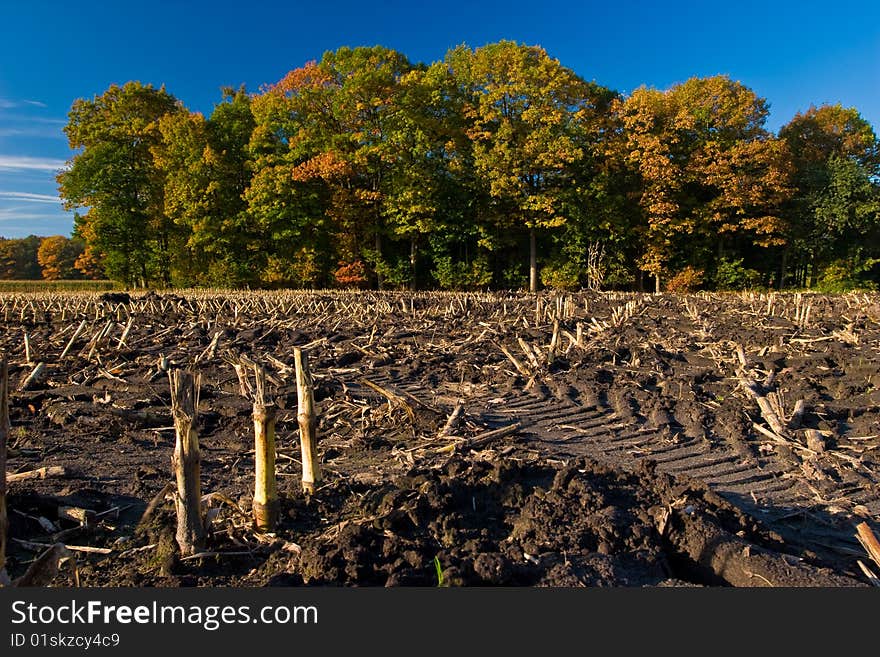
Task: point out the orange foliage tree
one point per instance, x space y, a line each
58 256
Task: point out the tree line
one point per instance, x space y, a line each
495 167
45 258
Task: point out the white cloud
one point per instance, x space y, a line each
29 197
24 163
37 119
6 103
40 132
16 215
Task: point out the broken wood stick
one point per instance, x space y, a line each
869 541
311 465
481 439
186 461
39 473
266 508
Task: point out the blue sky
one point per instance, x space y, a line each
792 53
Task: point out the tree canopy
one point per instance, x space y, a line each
495 167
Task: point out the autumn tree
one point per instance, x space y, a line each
431 197
326 124
363 169
114 176
206 168
710 173
836 157
58 255
523 111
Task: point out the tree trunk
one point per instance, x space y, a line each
533 262
782 268
380 283
656 283
164 261
413 251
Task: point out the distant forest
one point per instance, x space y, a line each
497 167
45 258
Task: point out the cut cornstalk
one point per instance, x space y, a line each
4 431
266 508
770 415
527 350
186 461
76 334
815 440
125 333
554 342
797 415
453 420
518 365
767 411
311 475
39 473
33 377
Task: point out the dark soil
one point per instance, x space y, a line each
638 458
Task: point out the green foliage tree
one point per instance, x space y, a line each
207 168
836 158
18 258
115 177
363 169
523 112
330 123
